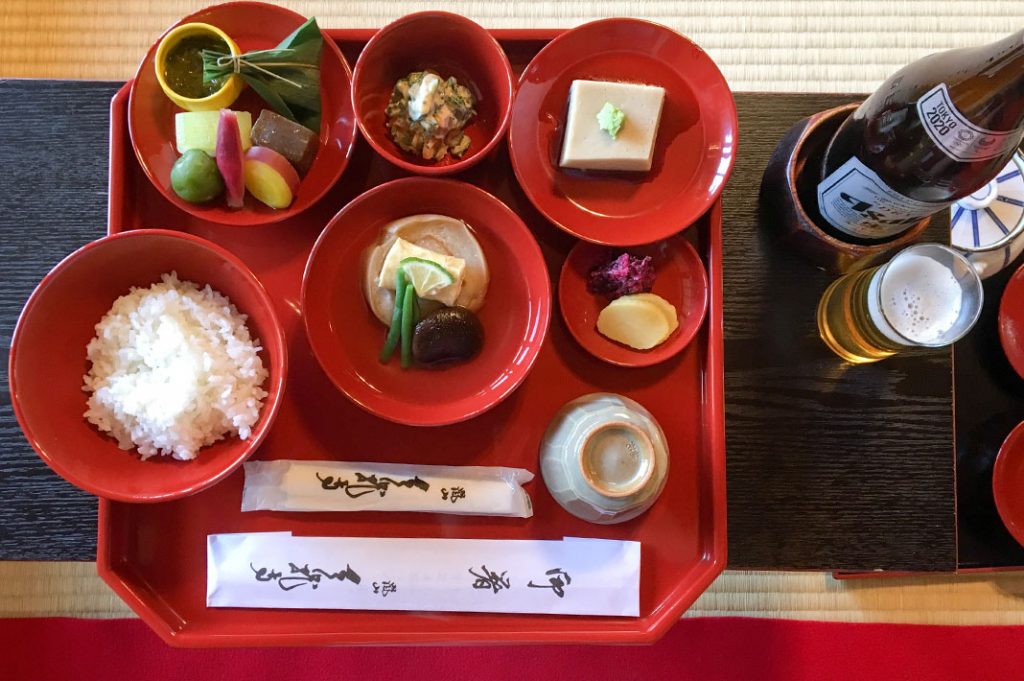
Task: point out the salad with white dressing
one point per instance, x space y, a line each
427 115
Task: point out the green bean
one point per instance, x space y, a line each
396 320
407 325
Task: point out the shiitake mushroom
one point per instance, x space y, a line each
447 335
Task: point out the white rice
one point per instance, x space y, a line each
173 370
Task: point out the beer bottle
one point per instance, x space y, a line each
934 132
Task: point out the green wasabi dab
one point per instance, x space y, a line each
610 118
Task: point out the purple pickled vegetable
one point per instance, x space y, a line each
622 276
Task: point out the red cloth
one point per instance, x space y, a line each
704 649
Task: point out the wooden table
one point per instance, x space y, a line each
828 467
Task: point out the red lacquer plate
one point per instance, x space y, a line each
154 555
346 337
471 55
680 279
1011 321
694 150
1008 483
254 26
48 359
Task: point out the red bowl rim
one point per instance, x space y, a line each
1015 530
507 387
252 219
1014 354
708 199
271 406
389 154
638 358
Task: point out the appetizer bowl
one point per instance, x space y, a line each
452 46
252 26
694 145
48 360
347 338
679 278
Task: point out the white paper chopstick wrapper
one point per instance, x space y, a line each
569 577
286 485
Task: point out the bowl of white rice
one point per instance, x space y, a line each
147 366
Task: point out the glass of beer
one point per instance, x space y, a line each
927 296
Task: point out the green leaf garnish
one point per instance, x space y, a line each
286 77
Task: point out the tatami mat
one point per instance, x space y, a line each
791 45
794 45
73 589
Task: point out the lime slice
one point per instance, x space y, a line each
426 276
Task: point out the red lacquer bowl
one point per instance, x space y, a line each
254 26
694 149
48 361
680 279
346 337
1008 483
451 45
1011 321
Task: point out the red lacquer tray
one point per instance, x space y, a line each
154 555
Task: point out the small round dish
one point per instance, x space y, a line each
1011 321
695 146
48 360
346 337
253 26
224 97
1008 482
679 278
451 45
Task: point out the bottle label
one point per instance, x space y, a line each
855 200
960 139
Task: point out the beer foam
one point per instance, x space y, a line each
920 297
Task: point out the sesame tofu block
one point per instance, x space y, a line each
588 146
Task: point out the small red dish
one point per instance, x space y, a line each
48 360
451 45
694 149
346 337
1011 321
254 26
679 278
1008 483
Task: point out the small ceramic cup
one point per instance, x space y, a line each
604 458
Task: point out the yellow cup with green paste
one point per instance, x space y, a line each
179 68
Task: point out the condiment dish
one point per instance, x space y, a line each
679 278
222 98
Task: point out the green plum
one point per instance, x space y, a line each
195 178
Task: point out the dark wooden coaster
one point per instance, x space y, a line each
829 465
